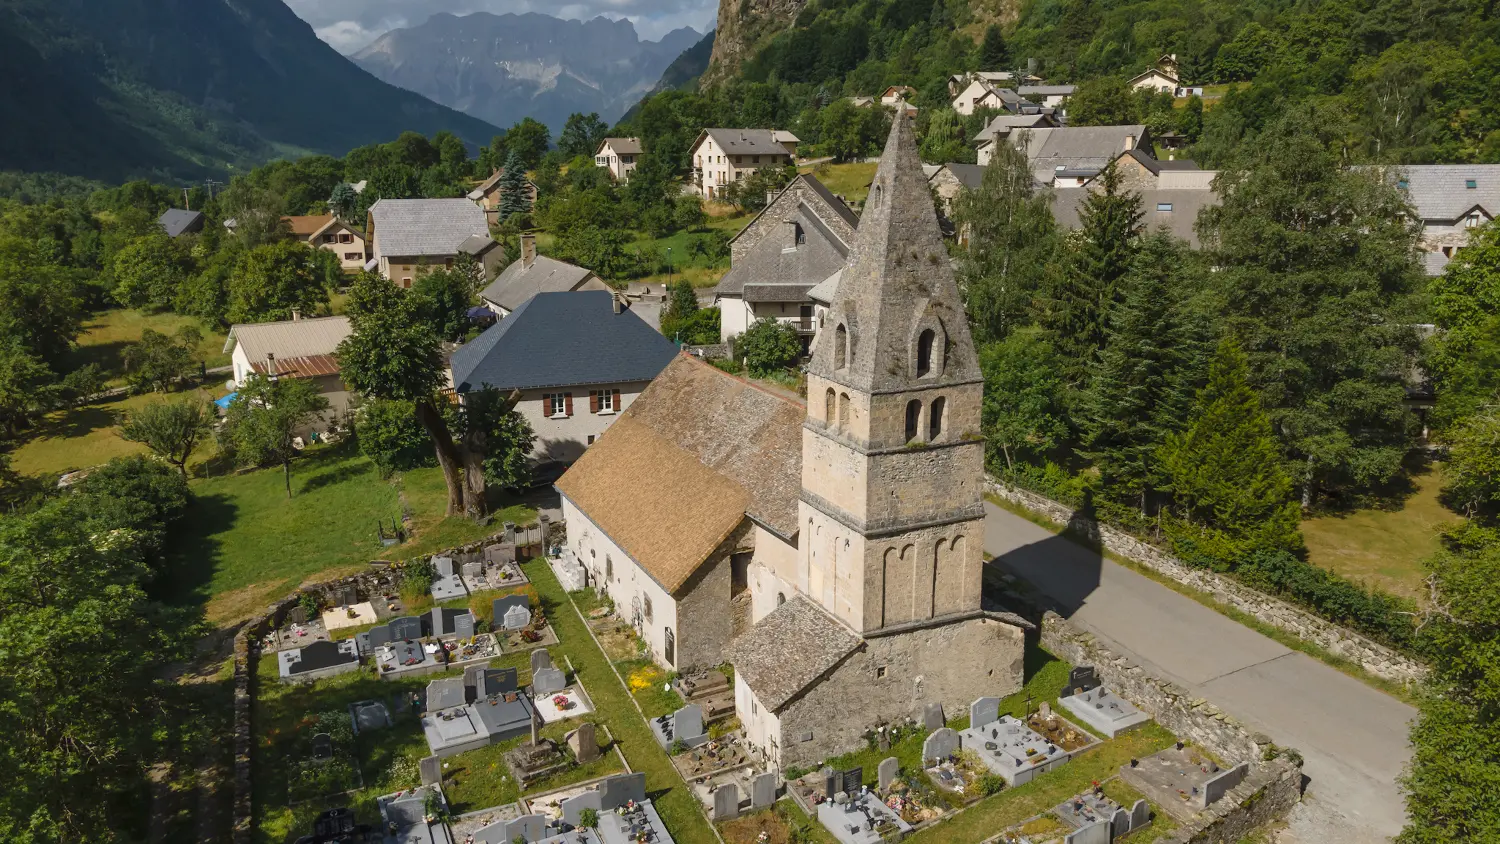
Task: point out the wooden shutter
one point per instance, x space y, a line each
567 404
593 401
546 405
616 405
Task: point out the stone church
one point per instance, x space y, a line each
831 550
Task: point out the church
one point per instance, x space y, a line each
832 550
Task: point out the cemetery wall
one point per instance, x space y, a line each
246 653
1270 789
1379 660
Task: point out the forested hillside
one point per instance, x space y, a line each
187 88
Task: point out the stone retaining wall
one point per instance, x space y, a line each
1270 789
246 650
1377 659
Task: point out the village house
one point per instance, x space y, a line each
899 97
799 239
959 81
1161 77
834 545
294 348
1451 200
619 156
722 157
176 222
325 231
1172 193
533 274
408 235
1048 96
578 359
490 192
980 93
1068 156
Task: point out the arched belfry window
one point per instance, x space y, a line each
935 420
924 352
840 347
843 410
913 418
830 412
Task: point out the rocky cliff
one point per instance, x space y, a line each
743 25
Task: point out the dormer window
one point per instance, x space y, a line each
1473 220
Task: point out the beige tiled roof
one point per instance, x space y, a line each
789 649
307 225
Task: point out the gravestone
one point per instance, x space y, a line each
473 569
501 606
1095 833
444 566
940 745
889 769
572 808
432 770
348 596
763 790
463 626
1119 823
584 743
1220 785
853 780
474 677
832 783
1140 814
620 789
1081 679
548 681
527 828
687 722
540 659
516 618
322 746
380 635
983 711
726 802
497 681
298 615
405 627
932 716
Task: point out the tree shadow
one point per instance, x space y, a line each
1389 496
194 552
76 422
334 476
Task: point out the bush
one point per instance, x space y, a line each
767 346
389 434
1376 614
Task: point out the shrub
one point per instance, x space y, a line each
588 818
767 346
389 434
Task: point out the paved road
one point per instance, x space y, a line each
1352 737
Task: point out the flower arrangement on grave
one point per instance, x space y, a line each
562 702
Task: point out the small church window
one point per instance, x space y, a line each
840 347
924 352
780 598
935 421
843 410
913 418
829 408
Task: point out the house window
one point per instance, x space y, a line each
1471 184
607 400
780 598
1164 206
913 418
924 352
406 281
647 600
757 159
558 405
1472 220
671 648
753 709
346 238
935 420
330 238
609 568
352 256
591 439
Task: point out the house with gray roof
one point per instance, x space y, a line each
176 221
619 156
409 235
578 359
1076 150
799 239
1051 96
1451 200
722 157
533 274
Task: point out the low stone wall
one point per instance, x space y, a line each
711 351
1379 660
247 650
1270 789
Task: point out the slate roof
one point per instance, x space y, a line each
825 290
1074 147
788 650
786 293
622 146
697 440
1433 263
1186 203
405 228
562 339
769 261
1440 192
176 221
968 175
288 339
519 282
1047 90
750 141
1004 123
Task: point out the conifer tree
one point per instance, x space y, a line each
1228 482
994 53
514 196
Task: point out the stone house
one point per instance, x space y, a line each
722 157
799 239
1161 77
1003 125
490 192
1451 200
294 348
325 231
534 274
579 360
619 156
1172 194
408 235
1071 155
852 525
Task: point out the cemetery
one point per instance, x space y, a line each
568 570
447 580
1182 780
518 626
1106 714
611 810
317 660
493 568
480 708
414 816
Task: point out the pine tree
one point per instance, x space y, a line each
1228 482
994 53
515 197
1077 311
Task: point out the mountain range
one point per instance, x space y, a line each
184 89
501 68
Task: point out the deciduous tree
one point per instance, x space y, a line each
159 362
275 279
768 346
170 429
265 417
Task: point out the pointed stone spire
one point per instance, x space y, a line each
897 283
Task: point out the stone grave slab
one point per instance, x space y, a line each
504 604
862 820
572 807
540 658
932 716
890 768
983 711
1098 833
1119 823
726 802
583 742
943 742
548 681
322 746
1104 711
449 583
615 791
527 828
1216 787
1140 814
763 790
622 826
1012 750
351 615
1175 780
465 626
369 715
1086 809
568 703
685 725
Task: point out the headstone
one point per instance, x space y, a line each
1081 679
504 604
1140 814
572 808
726 802
890 768
497 681
297 615
1219 785
854 778
940 745
983 711
432 770
687 722
322 746
380 635
763 790
932 716
527 828
1119 823
463 626
833 783
473 569
1095 833
405 627
516 618
348 596
548 681
584 743
474 677
620 789
444 566
540 659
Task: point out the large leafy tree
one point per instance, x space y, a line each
1023 414
441 298
170 429
1316 271
275 279
266 417
1464 356
528 139
160 362
149 272
1473 468
581 135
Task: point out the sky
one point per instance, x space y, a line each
349 25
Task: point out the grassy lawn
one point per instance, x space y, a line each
80 437
1383 548
245 543
106 335
851 181
700 270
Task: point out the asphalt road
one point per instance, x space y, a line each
1352 737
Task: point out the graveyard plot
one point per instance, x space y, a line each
1161 825
482 778
650 685
1181 779
780 824
712 690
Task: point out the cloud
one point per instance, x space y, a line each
348 25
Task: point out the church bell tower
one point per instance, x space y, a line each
891 517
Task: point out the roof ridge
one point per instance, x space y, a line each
798 403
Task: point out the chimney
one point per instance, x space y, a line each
296 315
618 304
1129 143
528 250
